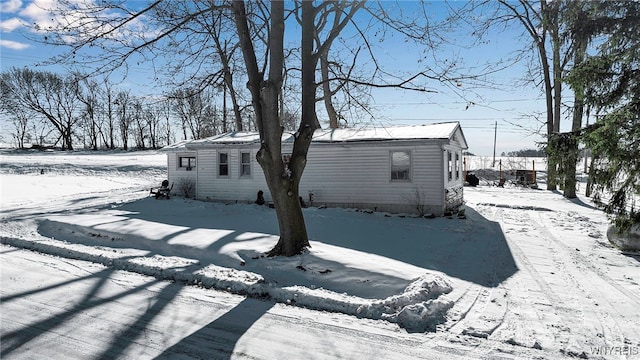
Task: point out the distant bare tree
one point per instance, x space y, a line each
139 123
109 126
124 105
195 110
88 93
48 95
19 115
20 121
162 110
153 120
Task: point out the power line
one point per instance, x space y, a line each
454 102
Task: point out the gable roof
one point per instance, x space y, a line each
445 131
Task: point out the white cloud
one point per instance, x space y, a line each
10 6
13 45
75 21
11 24
39 12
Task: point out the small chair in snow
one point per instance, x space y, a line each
164 191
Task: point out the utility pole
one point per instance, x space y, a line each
495 135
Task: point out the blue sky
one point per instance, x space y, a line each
510 105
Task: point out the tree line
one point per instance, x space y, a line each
70 110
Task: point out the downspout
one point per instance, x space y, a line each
195 195
443 194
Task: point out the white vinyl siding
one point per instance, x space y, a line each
228 188
359 176
176 173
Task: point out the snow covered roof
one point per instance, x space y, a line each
236 137
448 130
180 145
412 132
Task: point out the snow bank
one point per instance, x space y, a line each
419 308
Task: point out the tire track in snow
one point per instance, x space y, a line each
584 262
514 332
485 309
576 337
539 319
598 289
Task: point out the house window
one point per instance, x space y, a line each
450 165
400 165
223 164
245 166
457 166
187 162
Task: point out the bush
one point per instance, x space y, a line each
187 187
417 198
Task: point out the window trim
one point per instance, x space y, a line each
243 164
189 167
220 163
449 166
409 173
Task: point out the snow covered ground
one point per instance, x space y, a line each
527 273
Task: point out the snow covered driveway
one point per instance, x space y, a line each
573 292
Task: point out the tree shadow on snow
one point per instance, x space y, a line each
16 339
218 339
472 249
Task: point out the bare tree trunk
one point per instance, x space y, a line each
228 82
553 15
326 90
550 18
578 111
526 17
282 181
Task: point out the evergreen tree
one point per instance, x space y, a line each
611 79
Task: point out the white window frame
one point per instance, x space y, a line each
191 162
220 164
394 174
449 166
245 165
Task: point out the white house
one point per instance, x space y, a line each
395 169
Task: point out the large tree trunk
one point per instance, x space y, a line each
578 111
282 181
552 14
